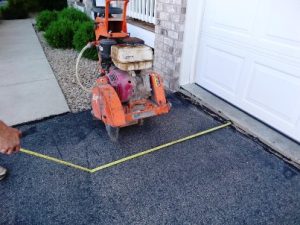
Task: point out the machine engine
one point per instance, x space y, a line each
130 85
127 62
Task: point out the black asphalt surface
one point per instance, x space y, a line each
220 178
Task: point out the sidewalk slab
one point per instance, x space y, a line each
37 69
31 101
28 87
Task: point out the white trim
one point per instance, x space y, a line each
192 32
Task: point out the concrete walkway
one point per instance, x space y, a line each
28 88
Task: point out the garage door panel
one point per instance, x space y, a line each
267 25
220 19
221 68
220 62
249 55
224 14
275 47
280 26
278 101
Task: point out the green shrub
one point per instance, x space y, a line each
60 34
76 25
44 19
83 35
19 9
2 9
15 9
73 15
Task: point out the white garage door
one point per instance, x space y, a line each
249 54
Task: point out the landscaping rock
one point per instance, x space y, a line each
63 65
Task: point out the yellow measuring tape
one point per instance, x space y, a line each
49 158
128 158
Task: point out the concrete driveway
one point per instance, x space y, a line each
28 88
220 178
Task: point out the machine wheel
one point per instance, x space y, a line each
113 132
141 122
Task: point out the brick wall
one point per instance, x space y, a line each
169 40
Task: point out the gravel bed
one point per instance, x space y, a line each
63 65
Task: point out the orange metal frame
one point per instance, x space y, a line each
103 25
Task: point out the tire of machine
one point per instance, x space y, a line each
141 122
113 132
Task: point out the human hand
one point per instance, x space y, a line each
9 139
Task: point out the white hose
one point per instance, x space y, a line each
88 90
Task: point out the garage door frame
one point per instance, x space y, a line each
193 27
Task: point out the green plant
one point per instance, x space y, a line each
76 25
15 9
19 9
44 19
73 15
83 35
2 8
60 34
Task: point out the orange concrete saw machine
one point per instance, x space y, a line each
127 91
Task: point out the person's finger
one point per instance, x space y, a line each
9 151
17 148
20 133
4 150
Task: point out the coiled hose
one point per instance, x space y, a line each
88 90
